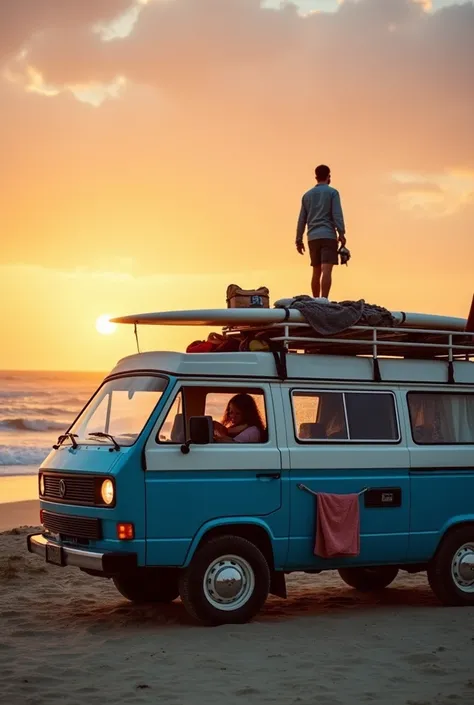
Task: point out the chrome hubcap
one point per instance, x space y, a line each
462 568
229 583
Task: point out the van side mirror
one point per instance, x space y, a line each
201 432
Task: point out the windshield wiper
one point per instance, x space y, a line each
71 436
100 434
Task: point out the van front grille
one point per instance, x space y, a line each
72 526
70 489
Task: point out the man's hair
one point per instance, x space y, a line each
322 172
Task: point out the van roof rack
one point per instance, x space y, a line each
370 341
413 335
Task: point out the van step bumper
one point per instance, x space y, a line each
59 555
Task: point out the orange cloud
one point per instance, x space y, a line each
372 63
435 195
20 19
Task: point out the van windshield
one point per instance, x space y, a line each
120 408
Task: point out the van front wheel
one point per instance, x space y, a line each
451 571
227 581
369 579
148 585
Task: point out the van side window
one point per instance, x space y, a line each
221 405
319 416
441 418
173 429
214 401
349 416
371 416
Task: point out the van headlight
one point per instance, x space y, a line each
107 492
41 484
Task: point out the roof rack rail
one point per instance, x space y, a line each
368 341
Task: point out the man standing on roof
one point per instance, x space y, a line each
321 212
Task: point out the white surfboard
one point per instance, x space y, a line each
270 316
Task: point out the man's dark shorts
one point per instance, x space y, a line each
323 251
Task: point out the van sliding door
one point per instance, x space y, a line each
346 440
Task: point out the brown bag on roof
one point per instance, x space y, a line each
247 298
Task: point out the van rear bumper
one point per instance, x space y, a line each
56 554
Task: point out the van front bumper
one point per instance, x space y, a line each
108 563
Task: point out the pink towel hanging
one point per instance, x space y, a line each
337 525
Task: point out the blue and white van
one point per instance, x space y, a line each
138 492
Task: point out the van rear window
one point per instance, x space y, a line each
441 418
344 416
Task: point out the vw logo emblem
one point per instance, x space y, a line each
62 489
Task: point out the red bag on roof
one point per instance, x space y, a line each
213 342
200 346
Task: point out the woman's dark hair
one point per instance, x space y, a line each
249 410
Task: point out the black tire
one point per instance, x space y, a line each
201 603
441 568
369 579
148 585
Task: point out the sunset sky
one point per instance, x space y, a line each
153 153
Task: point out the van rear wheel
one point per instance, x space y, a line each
451 571
369 579
148 585
227 582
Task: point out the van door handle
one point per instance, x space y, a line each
270 475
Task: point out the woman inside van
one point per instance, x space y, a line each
241 423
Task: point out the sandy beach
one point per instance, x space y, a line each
18 514
19 505
66 637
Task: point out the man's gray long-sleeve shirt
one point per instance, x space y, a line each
321 211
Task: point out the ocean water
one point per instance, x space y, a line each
35 408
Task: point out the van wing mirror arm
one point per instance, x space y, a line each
201 432
185 447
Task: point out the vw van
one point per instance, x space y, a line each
138 491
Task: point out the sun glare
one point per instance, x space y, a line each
104 326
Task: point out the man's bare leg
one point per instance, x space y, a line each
315 281
326 280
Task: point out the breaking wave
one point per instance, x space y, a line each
25 424
20 456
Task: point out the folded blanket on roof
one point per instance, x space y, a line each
332 318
